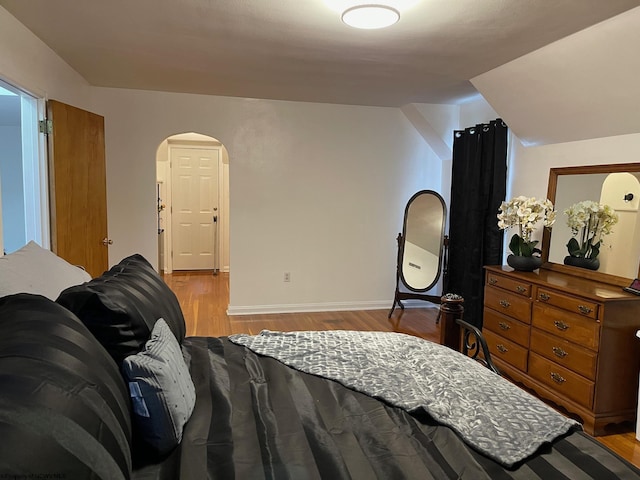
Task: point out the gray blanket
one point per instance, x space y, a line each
492 415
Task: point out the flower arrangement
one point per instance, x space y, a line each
523 213
589 222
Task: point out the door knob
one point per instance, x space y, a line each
107 241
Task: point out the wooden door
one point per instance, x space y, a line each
194 202
78 189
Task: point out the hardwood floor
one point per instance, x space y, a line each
204 298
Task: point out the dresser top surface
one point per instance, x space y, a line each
580 286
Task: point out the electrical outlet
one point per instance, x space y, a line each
287 277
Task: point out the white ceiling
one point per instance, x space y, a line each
299 49
585 86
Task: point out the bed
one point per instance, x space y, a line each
260 407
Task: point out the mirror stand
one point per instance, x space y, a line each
422 249
414 295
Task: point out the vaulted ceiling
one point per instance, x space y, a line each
299 49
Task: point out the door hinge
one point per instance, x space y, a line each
45 126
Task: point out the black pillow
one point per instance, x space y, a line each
122 305
64 407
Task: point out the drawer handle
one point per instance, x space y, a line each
502 348
505 304
584 309
504 326
521 289
557 378
493 280
545 297
560 325
559 352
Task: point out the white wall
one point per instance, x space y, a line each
27 62
529 166
443 120
577 99
573 102
315 190
530 170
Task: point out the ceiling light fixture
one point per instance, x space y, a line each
370 16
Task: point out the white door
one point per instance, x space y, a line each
194 200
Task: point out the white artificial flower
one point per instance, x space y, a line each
524 212
589 222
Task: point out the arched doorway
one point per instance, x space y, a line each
192 169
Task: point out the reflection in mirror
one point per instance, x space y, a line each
420 248
422 242
615 185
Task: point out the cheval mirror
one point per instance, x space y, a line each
617 185
422 249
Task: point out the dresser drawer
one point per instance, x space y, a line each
561 380
506 327
576 305
567 354
507 303
521 288
506 350
568 326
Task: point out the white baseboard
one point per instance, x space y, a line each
324 307
308 307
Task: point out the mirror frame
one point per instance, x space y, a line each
413 293
546 237
404 237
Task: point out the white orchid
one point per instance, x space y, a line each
524 213
589 222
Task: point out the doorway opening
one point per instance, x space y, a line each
24 205
192 186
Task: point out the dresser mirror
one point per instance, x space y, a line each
617 185
421 248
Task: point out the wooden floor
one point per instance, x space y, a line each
204 298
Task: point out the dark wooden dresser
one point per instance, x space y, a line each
570 339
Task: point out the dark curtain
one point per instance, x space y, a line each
478 186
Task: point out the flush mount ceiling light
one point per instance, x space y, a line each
370 16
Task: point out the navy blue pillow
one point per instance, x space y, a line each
122 305
64 407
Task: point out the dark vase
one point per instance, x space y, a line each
590 263
524 264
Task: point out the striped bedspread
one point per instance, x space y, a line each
489 413
256 418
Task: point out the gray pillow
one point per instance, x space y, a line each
161 389
33 269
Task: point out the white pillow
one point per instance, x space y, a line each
33 269
162 392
